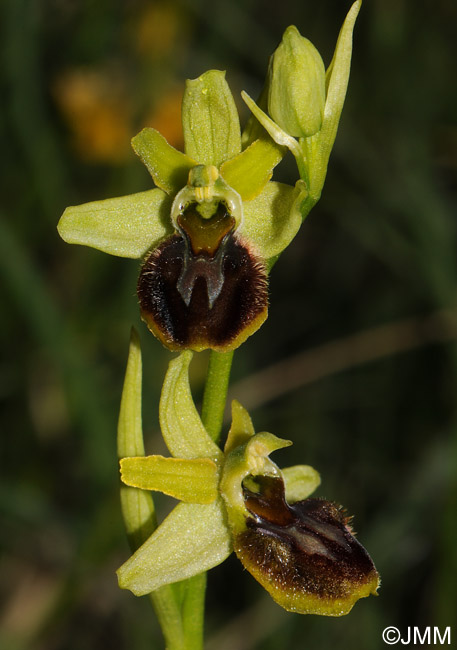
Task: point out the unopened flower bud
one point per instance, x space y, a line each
297 87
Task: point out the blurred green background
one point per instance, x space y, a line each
357 363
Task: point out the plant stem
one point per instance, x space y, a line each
214 399
215 394
193 612
168 614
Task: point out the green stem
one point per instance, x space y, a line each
214 399
193 612
169 616
215 394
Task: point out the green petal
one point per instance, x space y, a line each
181 425
191 480
250 170
210 120
241 429
168 167
126 226
271 220
193 538
262 445
300 481
137 505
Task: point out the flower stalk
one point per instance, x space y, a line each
215 392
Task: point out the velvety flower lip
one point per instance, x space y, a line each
304 554
300 549
204 286
187 294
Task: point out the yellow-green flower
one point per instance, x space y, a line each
208 232
301 549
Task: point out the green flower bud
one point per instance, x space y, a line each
297 88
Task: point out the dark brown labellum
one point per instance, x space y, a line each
202 287
305 554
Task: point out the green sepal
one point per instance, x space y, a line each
300 481
137 506
210 120
191 480
271 220
126 226
168 167
192 539
249 171
181 425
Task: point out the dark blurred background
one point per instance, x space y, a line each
357 363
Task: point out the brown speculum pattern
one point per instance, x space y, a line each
202 287
304 554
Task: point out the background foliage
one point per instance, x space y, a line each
357 363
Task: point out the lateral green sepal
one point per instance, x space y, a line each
272 219
169 555
126 226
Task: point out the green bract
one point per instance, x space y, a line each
303 104
238 500
129 226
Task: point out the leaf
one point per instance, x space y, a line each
193 538
181 425
210 120
126 226
191 480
